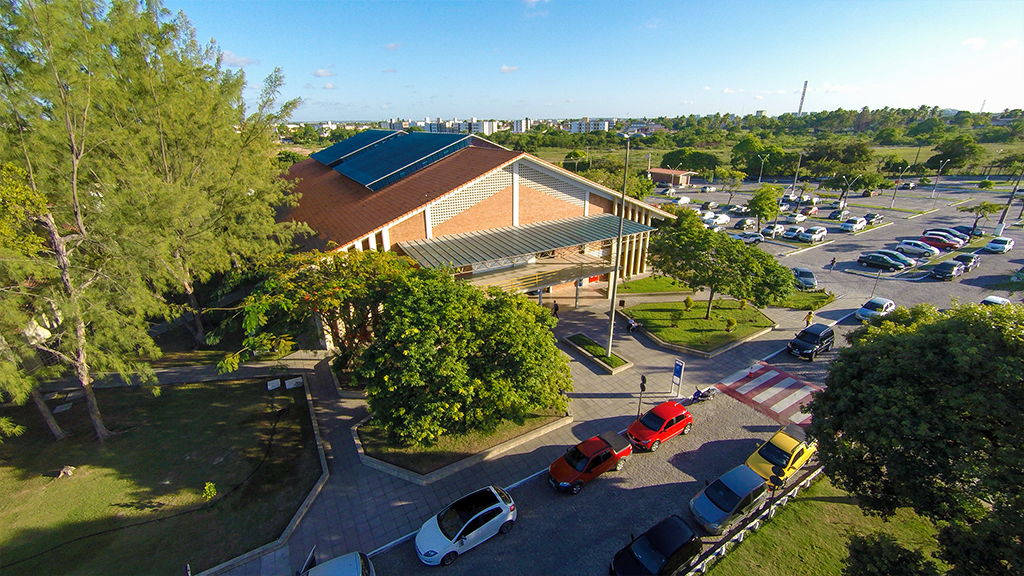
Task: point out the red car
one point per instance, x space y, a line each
588 460
660 423
938 242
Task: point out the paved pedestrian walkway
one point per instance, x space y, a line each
363 509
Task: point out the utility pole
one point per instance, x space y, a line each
800 111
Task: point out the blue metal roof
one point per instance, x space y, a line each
349 147
396 158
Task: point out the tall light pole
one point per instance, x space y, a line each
618 250
896 186
763 158
939 175
849 185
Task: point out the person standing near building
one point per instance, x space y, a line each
554 309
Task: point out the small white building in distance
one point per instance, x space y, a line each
586 125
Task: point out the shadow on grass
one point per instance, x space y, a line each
849 500
169 448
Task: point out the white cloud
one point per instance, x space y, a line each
686 101
323 73
393 46
706 88
840 88
328 86
652 24
532 3
385 106
1009 44
731 90
236 61
509 69
309 86
390 70
569 100
974 43
758 97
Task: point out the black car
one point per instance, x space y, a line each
839 214
970 261
811 341
908 186
948 270
873 218
666 548
879 261
745 224
970 230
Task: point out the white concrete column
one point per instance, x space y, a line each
385 234
426 222
515 194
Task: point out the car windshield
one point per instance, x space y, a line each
453 518
576 459
774 455
808 337
805 274
646 555
721 496
999 241
652 421
873 305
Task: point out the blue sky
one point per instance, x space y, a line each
371 60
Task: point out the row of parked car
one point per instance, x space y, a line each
930 244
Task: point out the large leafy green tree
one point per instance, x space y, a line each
690 253
923 411
450 358
765 202
689 159
961 150
343 291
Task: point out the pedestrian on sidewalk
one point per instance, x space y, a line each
809 318
832 265
554 309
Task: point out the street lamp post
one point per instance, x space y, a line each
618 251
643 388
937 176
763 158
849 185
896 186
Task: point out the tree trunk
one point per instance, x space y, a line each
102 433
197 313
711 297
44 410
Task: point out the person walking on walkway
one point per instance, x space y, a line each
809 318
554 309
832 265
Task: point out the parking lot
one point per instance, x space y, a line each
559 533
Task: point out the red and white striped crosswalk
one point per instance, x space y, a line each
771 391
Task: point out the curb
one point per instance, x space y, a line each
714 352
282 541
912 216
806 248
593 359
866 230
426 479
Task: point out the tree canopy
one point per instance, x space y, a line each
687 251
450 358
923 410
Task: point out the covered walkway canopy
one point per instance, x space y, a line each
530 256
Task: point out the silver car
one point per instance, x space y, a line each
805 279
729 498
917 248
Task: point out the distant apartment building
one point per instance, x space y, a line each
520 126
588 125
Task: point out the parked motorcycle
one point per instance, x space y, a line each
701 395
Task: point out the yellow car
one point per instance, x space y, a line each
779 458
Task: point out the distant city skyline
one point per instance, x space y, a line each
368 61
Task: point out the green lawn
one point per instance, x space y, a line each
652 284
692 330
447 450
167 448
597 350
808 299
809 536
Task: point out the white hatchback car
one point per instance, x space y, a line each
793 232
854 224
1000 244
464 524
717 220
874 308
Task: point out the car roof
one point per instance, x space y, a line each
592 446
966 256
879 301
670 534
993 299
741 479
669 409
949 264
1001 239
816 328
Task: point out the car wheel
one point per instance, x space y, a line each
506 527
576 488
687 429
620 464
811 357
864 264
448 558
655 445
